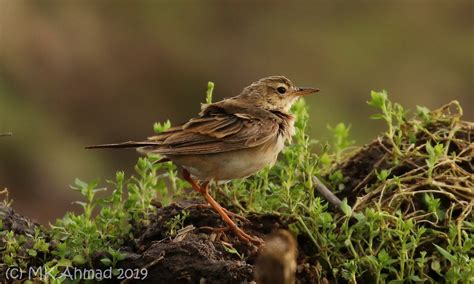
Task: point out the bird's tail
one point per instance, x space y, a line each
128 144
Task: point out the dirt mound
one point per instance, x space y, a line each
437 159
417 183
191 254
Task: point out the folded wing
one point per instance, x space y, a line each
219 128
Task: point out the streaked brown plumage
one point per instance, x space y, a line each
230 139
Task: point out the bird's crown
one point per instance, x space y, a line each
274 93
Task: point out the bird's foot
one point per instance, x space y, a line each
231 214
243 236
217 234
220 234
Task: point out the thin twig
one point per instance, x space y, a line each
326 193
6 134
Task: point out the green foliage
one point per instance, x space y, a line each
415 227
161 127
176 223
434 155
382 175
234 251
104 225
210 89
84 235
22 250
12 249
423 113
341 139
371 240
393 114
115 257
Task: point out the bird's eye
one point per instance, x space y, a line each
281 90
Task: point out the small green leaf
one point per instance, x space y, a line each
382 175
80 183
346 208
106 261
445 254
336 177
325 159
161 127
378 99
423 113
415 278
436 266
210 89
79 259
64 263
326 218
377 116
120 176
32 252
120 256
8 260
360 217
41 245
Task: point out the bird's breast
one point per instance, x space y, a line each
233 164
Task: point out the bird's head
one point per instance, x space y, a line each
275 93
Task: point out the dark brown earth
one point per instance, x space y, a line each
196 256
198 253
359 169
190 256
20 225
15 222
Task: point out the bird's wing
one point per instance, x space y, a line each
219 128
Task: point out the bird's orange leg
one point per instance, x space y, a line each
231 214
220 210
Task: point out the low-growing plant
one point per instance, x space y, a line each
408 218
392 236
176 223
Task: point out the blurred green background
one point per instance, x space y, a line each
78 73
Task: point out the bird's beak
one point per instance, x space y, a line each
306 91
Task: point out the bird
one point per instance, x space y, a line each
276 261
230 139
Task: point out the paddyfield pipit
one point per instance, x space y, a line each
230 139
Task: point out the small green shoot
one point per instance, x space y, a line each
424 113
382 175
210 89
176 223
161 127
341 139
232 250
394 116
434 155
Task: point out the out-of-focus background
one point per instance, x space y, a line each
74 73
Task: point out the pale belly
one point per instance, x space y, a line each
230 165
